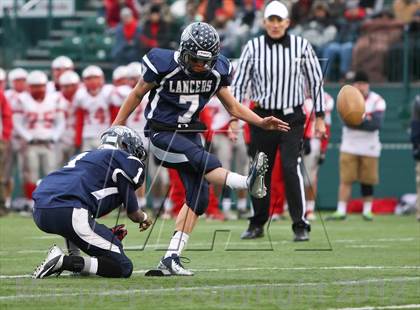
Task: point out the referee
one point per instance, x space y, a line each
277 70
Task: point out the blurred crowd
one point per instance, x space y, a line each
347 35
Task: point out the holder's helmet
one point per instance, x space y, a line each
126 139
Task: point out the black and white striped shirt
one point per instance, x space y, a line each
276 74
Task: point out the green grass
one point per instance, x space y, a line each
368 264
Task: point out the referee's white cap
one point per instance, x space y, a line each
276 8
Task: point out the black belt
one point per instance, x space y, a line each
276 111
190 127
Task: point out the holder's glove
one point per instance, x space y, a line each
146 222
119 231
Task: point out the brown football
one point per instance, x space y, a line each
350 105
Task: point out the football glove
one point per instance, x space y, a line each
146 222
119 231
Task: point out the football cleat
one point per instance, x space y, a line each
310 216
173 265
336 216
51 265
368 216
255 180
301 231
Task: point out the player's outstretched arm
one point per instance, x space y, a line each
132 101
244 113
140 217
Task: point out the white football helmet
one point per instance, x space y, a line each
17 74
134 69
37 77
92 71
120 72
62 62
69 78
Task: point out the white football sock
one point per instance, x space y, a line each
178 242
91 265
142 202
236 181
342 207
226 204
242 204
310 206
167 205
367 207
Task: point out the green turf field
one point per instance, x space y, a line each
368 264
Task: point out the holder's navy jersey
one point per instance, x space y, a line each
179 98
99 180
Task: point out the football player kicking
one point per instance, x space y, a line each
91 185
180 84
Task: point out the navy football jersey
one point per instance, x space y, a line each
99 180
177 97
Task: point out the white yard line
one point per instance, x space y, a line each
141 271
366 246
201 288
44 237
376 240
413 306
245 244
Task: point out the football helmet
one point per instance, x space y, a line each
17 74
69 78
37 77
126 139
62 62
200 43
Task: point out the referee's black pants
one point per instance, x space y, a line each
290 142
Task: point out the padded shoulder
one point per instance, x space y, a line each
223 65
160 60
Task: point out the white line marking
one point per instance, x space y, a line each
242 243
31 251
382 307
366 246
263 269
198 288
376 240
44 237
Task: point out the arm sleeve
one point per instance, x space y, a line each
326 139
18 121
372 123
7 121
129 178
243 74
78 126
127 193
60 120
313 74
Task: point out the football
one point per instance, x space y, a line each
350 105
